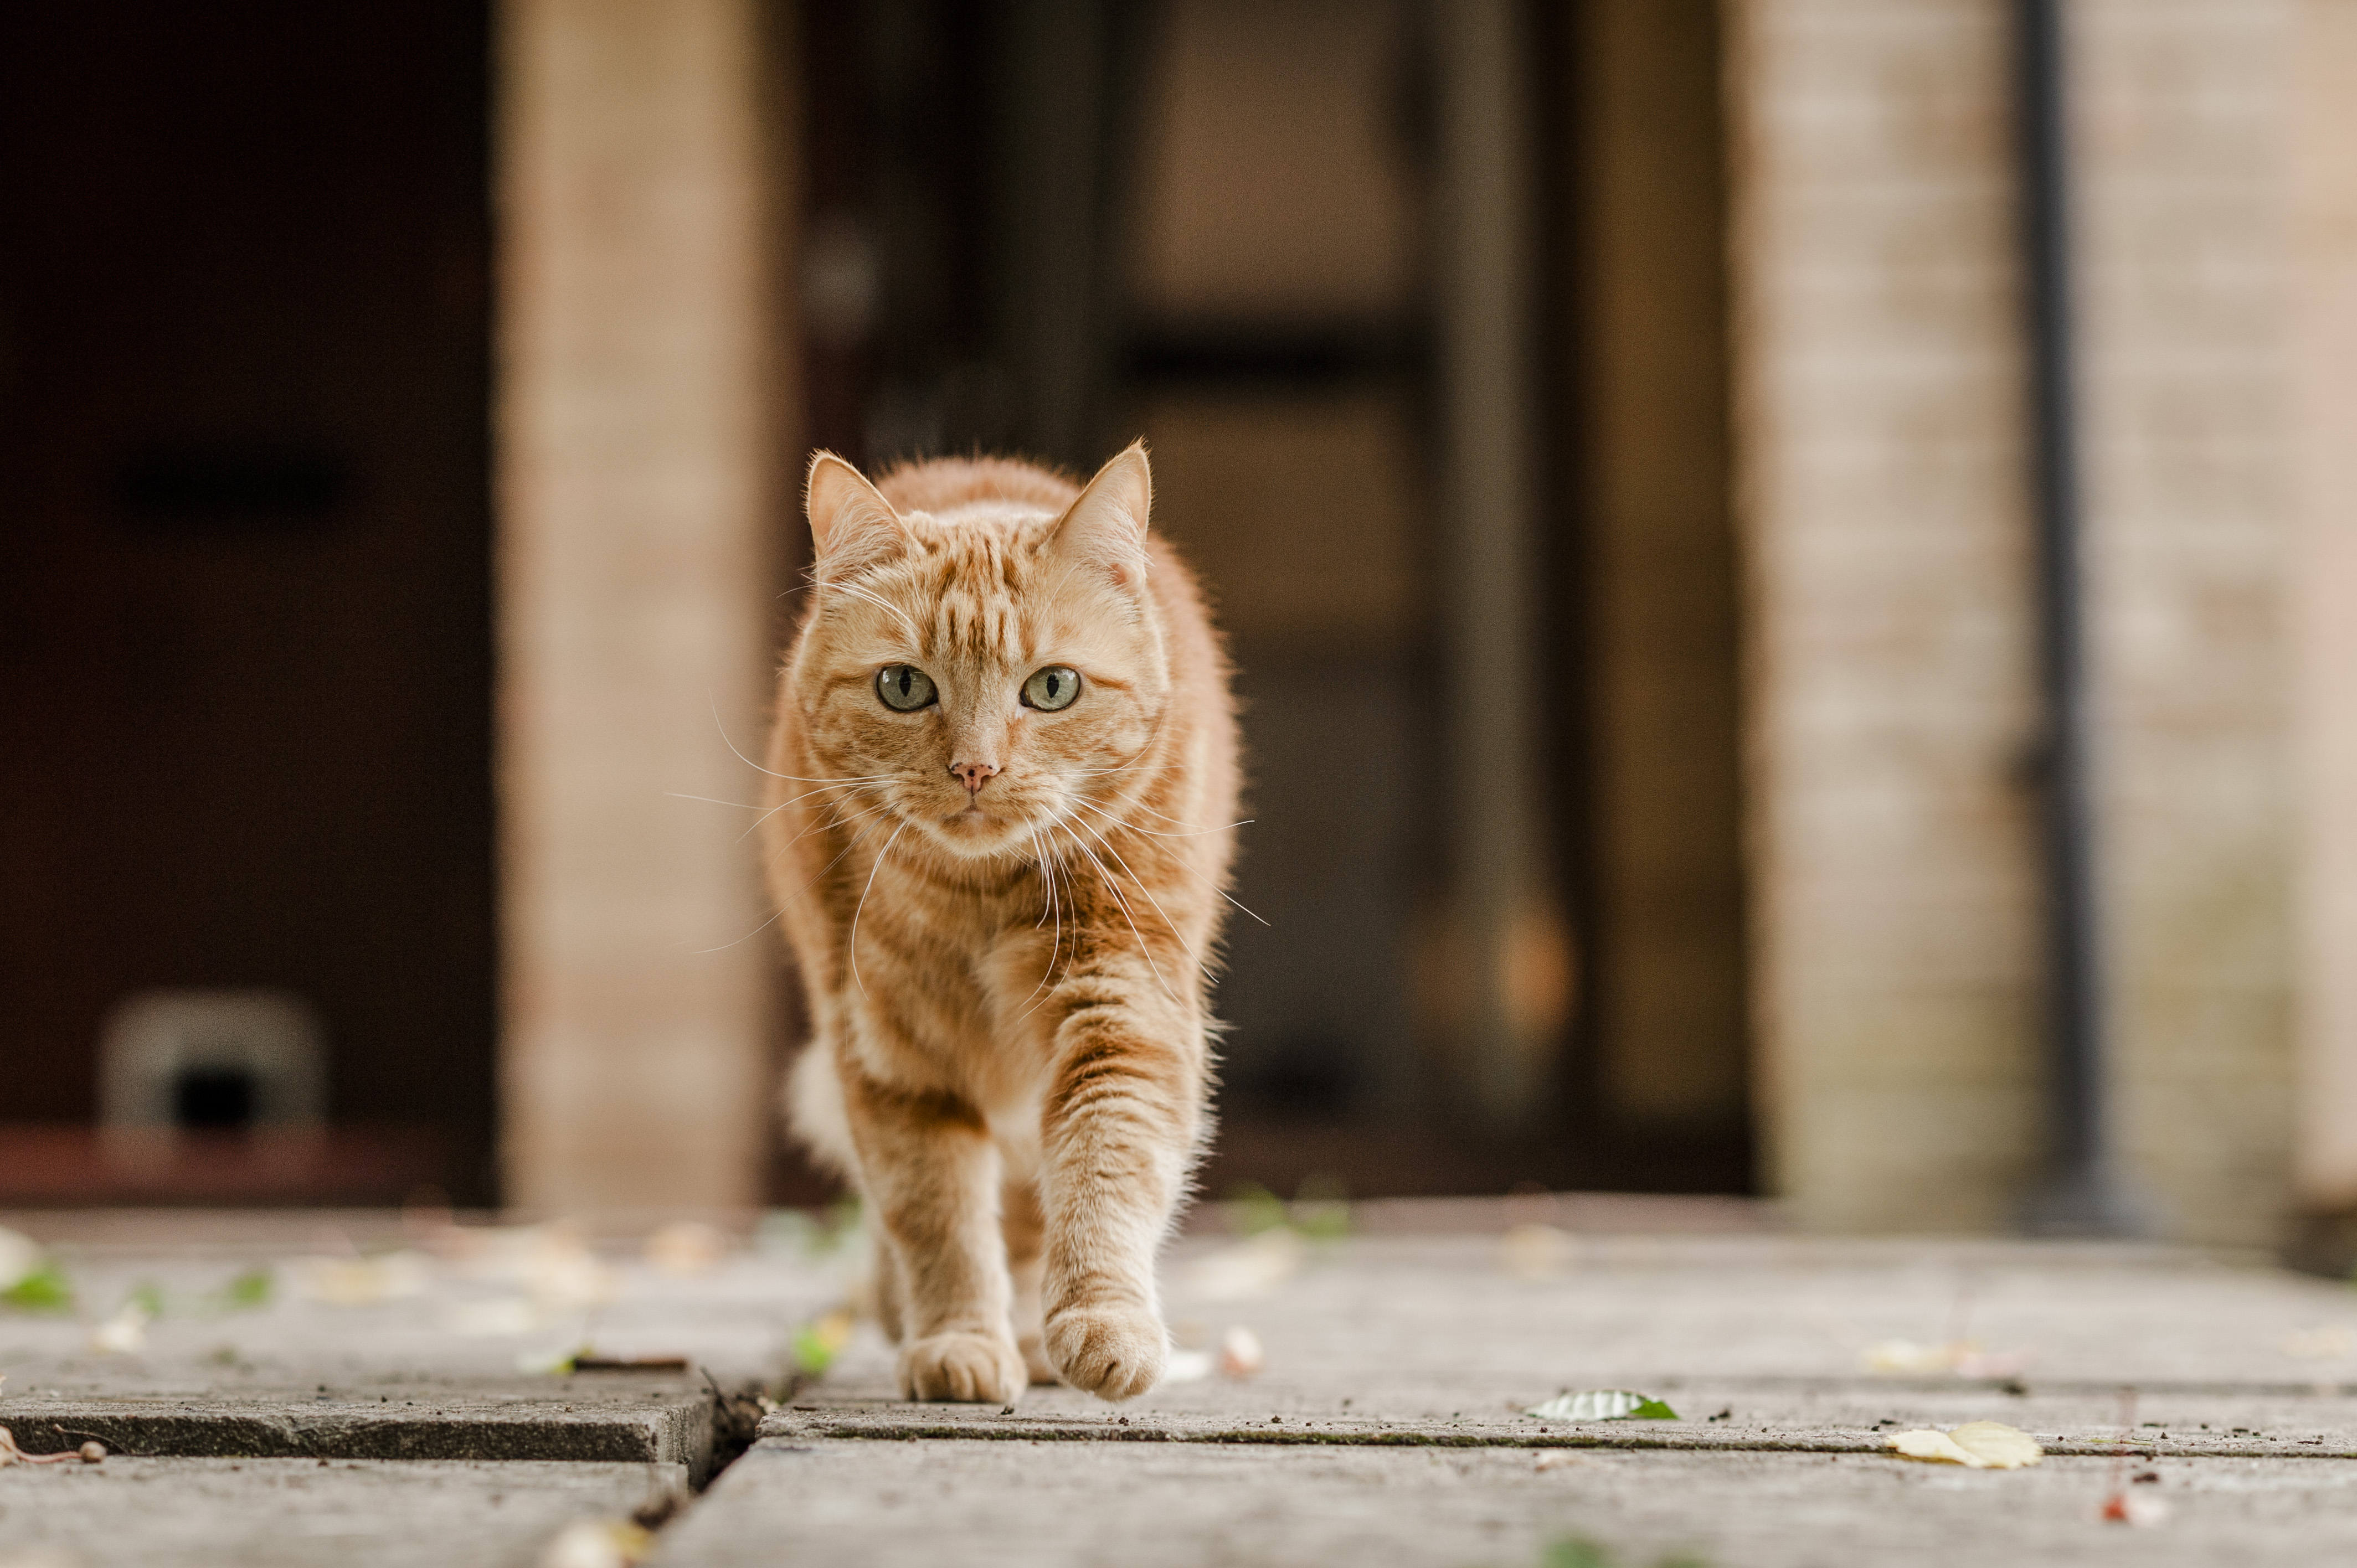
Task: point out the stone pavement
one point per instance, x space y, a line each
1385 1425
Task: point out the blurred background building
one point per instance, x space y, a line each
1604 427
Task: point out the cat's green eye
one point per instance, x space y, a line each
1052 688
904 688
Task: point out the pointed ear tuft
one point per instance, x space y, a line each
1107 527
853 526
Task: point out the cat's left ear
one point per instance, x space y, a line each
1105 527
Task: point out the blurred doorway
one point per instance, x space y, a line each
245 617
1052 225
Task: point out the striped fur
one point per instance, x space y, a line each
1010 1057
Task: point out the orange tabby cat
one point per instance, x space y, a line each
1005 780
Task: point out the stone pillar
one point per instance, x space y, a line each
639 506
1881 500
2324 335
2185 125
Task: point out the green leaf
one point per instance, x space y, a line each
1603 1404
1257 1209
45 1289
1573 1553
1321 1209
246 1292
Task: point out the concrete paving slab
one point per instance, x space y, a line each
1398 1363
671 1423
304 1514
979 1505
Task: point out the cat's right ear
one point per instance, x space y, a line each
853 526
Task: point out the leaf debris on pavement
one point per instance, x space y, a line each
1976 1445
1603 1404
30 1279
817 1343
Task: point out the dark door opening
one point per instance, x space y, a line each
245 633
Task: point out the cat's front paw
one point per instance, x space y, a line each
973 1369
1116 1352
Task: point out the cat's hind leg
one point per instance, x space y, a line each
1020 1219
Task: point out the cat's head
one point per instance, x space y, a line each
982 675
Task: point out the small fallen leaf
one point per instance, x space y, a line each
19 1256
555 1363
124 1334
1976 1445
2325 1342
1240 1354
817 1343
1556 1458
497 1316
45 1289
598 1543
361 1282
1187 1367
1603 1404
1245 1270
1963 1357
2139 1511
1534 1251
687 1247
244 1293
30 1279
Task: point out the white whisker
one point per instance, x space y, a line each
1132 827
852 947
1113 887
1142 887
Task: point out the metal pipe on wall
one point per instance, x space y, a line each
2084 1192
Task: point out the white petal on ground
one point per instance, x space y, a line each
2325 1342
687 1247
124 1334
1976 1445
1246 1270
1907 1355
1187 1367
1535 1251
596 1543
1240 1354
492 1317
362 1282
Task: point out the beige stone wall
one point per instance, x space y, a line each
1881 488
2322 330
1887 601
2185 120
637 518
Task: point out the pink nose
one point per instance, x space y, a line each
973 775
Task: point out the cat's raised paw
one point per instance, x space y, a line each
1114 1352
971 1368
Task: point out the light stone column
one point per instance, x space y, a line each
2324 335
638 505
2186 135
1882 495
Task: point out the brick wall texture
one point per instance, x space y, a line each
1883 515
635 596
